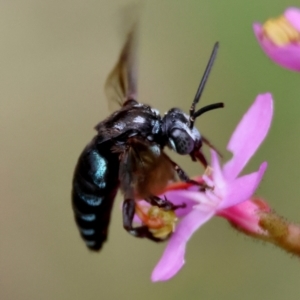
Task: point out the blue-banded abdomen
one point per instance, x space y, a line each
95 184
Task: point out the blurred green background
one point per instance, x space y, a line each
55 56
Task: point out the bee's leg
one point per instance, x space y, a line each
184 177
165 204
128 214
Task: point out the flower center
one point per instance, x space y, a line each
280 31
212 197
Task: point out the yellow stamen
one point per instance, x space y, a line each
161 223
280 31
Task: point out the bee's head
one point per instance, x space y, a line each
181 138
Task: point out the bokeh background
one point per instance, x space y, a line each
54 58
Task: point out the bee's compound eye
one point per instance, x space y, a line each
181 141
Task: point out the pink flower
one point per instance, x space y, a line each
280 39
229 190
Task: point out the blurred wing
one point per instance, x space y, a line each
145 169
121 84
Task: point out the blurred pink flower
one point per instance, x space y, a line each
228 191
280 38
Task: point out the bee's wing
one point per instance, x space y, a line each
145 169
121 84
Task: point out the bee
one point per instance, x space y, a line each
127 154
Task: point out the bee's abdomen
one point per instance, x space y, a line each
95 185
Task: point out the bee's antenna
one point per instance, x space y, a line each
204 109
202 84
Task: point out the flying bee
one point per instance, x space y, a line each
127 154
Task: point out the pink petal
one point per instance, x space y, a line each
292 14
286 56
136 218
248 135
172 259
217 174
242 188
179 197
